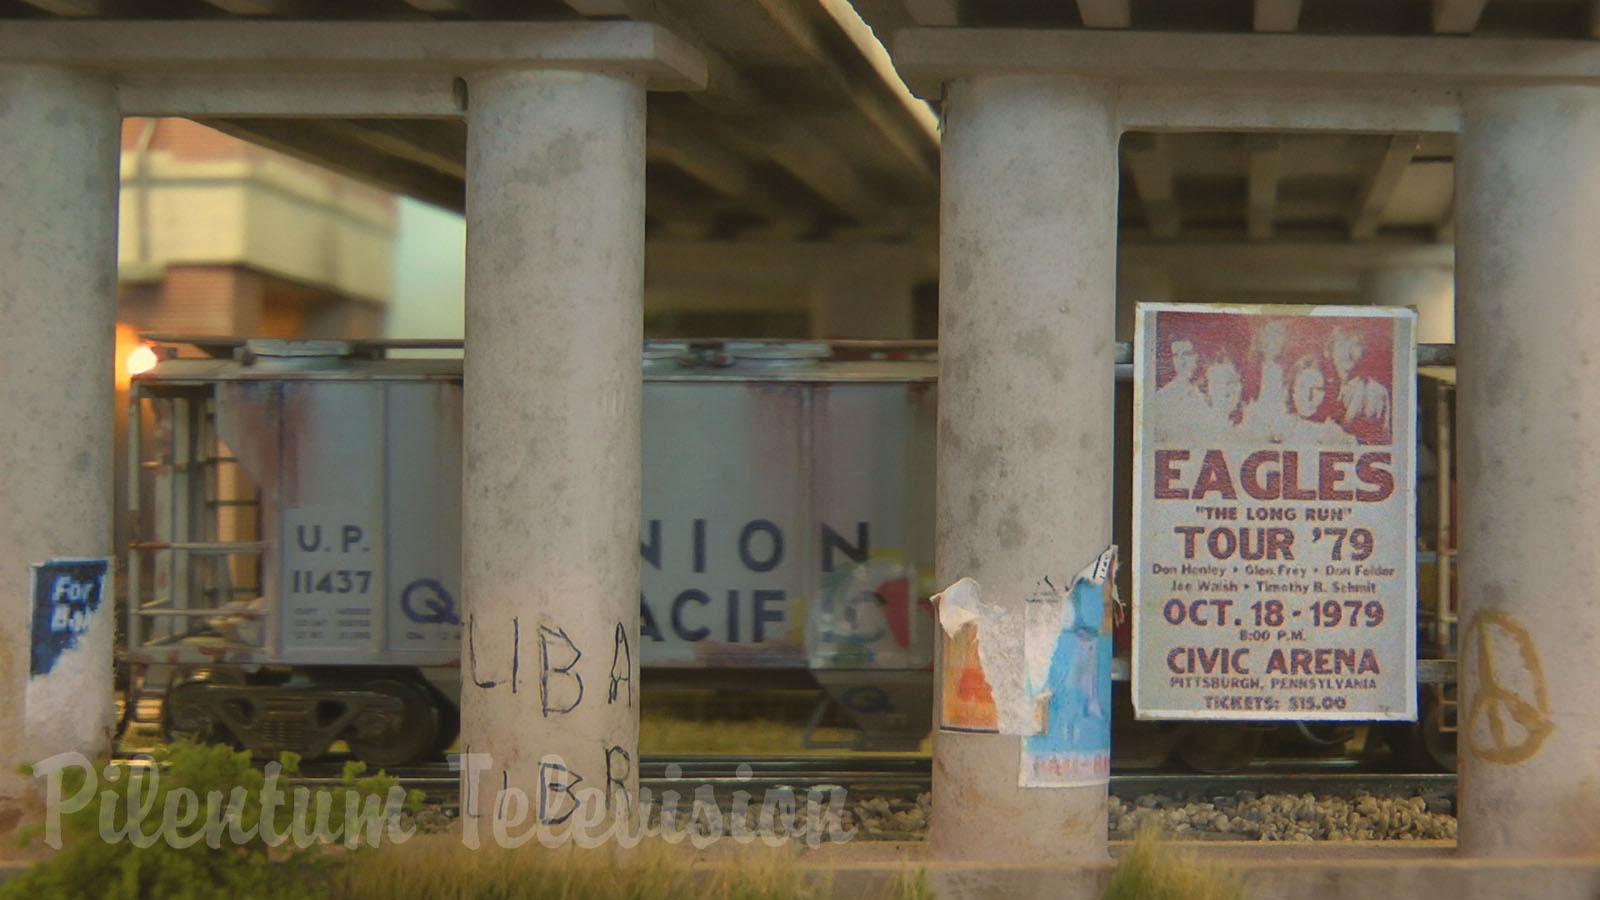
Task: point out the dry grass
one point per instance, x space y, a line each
1152 869
442 868
662 732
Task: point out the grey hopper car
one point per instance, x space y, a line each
294 572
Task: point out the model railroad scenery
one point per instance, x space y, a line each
294 583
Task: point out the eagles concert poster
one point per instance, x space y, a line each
1274 512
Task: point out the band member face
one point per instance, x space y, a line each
1308 392
1272 338
1184 360
1346 352
1224 387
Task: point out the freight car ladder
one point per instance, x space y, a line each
1445 630
195 601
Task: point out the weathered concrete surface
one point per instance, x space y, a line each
555 262
58 268
1528 201
1027 318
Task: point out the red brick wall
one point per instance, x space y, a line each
235 301
186 140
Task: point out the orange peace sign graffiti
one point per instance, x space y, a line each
1493 703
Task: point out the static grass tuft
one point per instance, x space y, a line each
1152 869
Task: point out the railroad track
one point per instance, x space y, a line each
885 797
908 776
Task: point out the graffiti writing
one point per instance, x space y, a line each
564 693
1507 716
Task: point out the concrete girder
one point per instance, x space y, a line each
1276 15
1150 161
1266 164
1106 13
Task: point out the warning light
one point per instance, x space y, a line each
142 359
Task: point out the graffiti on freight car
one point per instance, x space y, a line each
1508 717
870 615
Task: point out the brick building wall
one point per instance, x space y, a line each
223 237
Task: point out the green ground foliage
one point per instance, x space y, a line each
439 867
169 851
175 856
1152 869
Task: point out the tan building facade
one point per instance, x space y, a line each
218 236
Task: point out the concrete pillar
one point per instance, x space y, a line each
1528 213
555 268
1028 274
1139 284
58 269
864 293
1431 289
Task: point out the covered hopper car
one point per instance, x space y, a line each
294 572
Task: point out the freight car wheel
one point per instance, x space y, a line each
1219 749
1439 724
395 736
1426 745
449 728
185 714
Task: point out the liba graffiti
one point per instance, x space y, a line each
66 596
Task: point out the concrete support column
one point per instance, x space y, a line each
1431 289
555 267
864 294
58 269
1137 284
1528 205
1028 280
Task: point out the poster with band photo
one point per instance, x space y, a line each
1274 512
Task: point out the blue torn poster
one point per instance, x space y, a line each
1067 660
66 595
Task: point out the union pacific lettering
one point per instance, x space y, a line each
717 612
